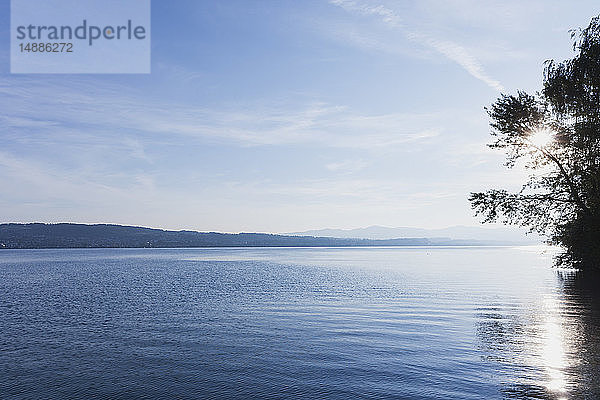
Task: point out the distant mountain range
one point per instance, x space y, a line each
37 235
504 235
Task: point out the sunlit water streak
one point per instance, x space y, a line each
405 323
553 354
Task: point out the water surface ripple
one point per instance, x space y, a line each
343 323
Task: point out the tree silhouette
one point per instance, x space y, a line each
556 134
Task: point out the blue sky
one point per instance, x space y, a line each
281 116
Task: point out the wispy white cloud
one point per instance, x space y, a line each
69 112
357 191
459 55
29 178
136 149
347 166
387 15
79 154
449 49
179 74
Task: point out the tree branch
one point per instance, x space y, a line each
572 188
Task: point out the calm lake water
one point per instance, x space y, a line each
269 323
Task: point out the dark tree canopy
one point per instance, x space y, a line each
556 134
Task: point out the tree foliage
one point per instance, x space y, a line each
556 135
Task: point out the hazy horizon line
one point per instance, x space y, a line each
290 231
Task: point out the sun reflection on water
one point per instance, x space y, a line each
553 352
